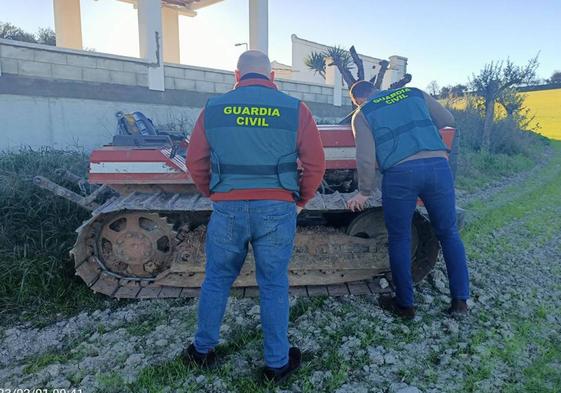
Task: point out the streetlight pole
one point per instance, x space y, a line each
242 43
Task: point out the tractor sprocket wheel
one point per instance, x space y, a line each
370 225
136 244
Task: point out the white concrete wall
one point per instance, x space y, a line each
207 80
32 60
45 61
73 123
53 118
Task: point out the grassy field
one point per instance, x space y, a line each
546 106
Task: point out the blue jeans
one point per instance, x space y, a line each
270 226
431 180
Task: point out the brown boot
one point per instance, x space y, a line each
389 303
458 308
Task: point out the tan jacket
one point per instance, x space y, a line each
366 149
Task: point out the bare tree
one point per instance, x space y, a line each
433 88
493 81
349 62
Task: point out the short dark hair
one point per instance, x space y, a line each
362 89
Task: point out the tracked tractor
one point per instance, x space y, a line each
145 238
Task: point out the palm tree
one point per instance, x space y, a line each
348 61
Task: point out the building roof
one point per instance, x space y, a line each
191 4
186 7
280 66
321 47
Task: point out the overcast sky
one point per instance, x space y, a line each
444 40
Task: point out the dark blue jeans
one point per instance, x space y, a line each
431 180
270 227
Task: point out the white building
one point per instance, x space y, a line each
302 48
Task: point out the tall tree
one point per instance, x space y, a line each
493 81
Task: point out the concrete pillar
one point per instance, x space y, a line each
68 23
259 25
170 24
333 77
398 68
150 40
337 87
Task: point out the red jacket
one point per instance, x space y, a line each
310 154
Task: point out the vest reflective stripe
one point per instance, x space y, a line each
252 134
401 125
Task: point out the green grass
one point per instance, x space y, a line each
478 169
529 335
43 361
536 202
37 229
111 382
514 203
148 323
39 362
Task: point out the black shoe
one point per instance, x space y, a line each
389 303
458 308
191 357
279 375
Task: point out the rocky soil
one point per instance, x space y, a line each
509 342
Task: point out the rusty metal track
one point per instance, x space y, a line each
336 264
167 201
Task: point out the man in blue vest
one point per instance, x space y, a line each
243 153
398 131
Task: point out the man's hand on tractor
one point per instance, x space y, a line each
358 202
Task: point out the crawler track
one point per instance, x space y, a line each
151 245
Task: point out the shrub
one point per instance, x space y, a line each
512 149
507 137
36 232
35 222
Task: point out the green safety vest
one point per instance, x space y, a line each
252 133
401 125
